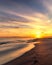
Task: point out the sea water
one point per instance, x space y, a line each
11 48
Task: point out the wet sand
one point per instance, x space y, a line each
40 55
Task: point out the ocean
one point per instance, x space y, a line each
11 48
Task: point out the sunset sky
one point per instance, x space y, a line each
25 18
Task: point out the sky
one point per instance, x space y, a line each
25 18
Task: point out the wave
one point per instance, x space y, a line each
11 51
13 48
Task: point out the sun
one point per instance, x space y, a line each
38 34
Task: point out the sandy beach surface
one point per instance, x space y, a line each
40 55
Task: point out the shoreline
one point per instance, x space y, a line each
40 55
28 58
16 54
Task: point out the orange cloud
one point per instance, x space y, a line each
38 21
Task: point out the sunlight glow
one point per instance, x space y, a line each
38 34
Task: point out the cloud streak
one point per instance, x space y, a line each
25 15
